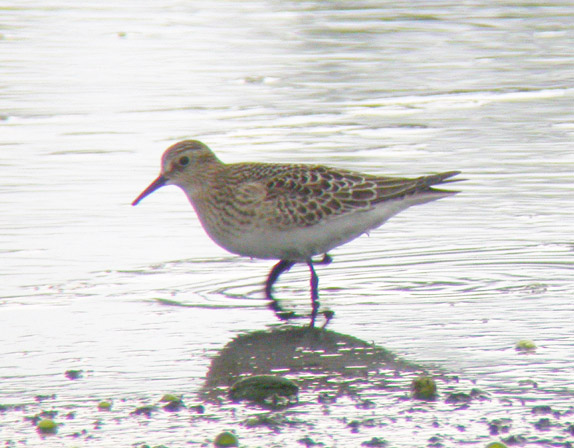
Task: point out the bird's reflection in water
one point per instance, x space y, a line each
317 359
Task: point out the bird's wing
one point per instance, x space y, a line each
289 196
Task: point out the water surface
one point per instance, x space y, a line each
93 92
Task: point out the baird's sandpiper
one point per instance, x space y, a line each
287 212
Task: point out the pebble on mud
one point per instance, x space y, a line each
174 403
226 439
74 374
541 410
104 405
375 442
424 388
525 346
170 397
146 410
499 426
47 426
543 424
496 445
458 398
260 388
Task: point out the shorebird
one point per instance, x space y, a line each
287 212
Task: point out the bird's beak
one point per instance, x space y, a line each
155 185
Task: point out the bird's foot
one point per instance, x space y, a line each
286 316
279 311
327 259
328 316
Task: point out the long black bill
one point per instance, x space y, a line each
156 184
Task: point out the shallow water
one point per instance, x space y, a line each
93 92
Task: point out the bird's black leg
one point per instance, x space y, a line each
278 269
314 293
327 259
285 265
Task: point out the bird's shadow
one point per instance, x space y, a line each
316 358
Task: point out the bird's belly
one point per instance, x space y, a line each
298 244
302 243
294 245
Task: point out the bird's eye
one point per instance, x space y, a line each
183 160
